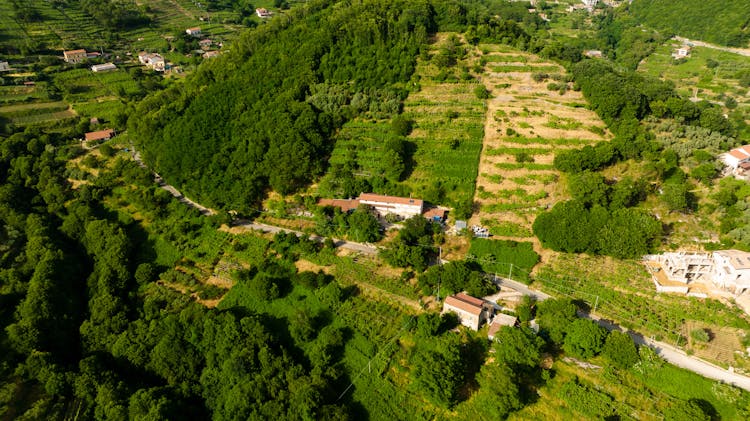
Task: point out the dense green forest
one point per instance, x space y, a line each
699 19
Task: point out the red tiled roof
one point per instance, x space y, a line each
390 199
101 134
462 305
745 148
739 154
344 204
469 299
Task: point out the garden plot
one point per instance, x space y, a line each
526 124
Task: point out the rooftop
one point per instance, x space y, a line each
371 197
452 301
738 259
344 204
101 134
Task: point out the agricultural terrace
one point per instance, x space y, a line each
707 74
69 27
446 139
531 115
448 126
649 388
624 292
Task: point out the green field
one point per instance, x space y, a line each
448 131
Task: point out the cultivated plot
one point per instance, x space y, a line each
532 114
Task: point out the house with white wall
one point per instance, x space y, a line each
401 206
471 311
732 270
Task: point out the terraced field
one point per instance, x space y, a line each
448 130
447 133
526 124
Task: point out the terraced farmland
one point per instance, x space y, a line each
448 130
526 123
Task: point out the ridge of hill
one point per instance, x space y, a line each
700 19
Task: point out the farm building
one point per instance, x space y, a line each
728 270
152 61
735 158
389 205
500 320
105 134
205 43
682 52
263 13
593 54
401 206
4 66
103 67
211 54
471 311
193 32
74 56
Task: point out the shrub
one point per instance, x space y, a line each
700 335
481 92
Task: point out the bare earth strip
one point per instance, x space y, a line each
524 116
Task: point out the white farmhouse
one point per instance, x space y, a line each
152 60
732 270
401 206
736 157
471 311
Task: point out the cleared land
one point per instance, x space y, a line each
525 125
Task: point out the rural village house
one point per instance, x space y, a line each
74 56
105 134
4 66
737 160
471 311
193 32
152 61
388 205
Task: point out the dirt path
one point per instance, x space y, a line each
741 51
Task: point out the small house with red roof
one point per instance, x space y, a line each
471 311
105 134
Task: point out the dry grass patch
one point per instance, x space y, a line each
525 118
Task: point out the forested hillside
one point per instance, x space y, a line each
698 19
243 124
263 117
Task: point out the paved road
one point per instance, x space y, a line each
668 352
350 245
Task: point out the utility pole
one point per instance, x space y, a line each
596 303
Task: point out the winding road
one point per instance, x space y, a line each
667 352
